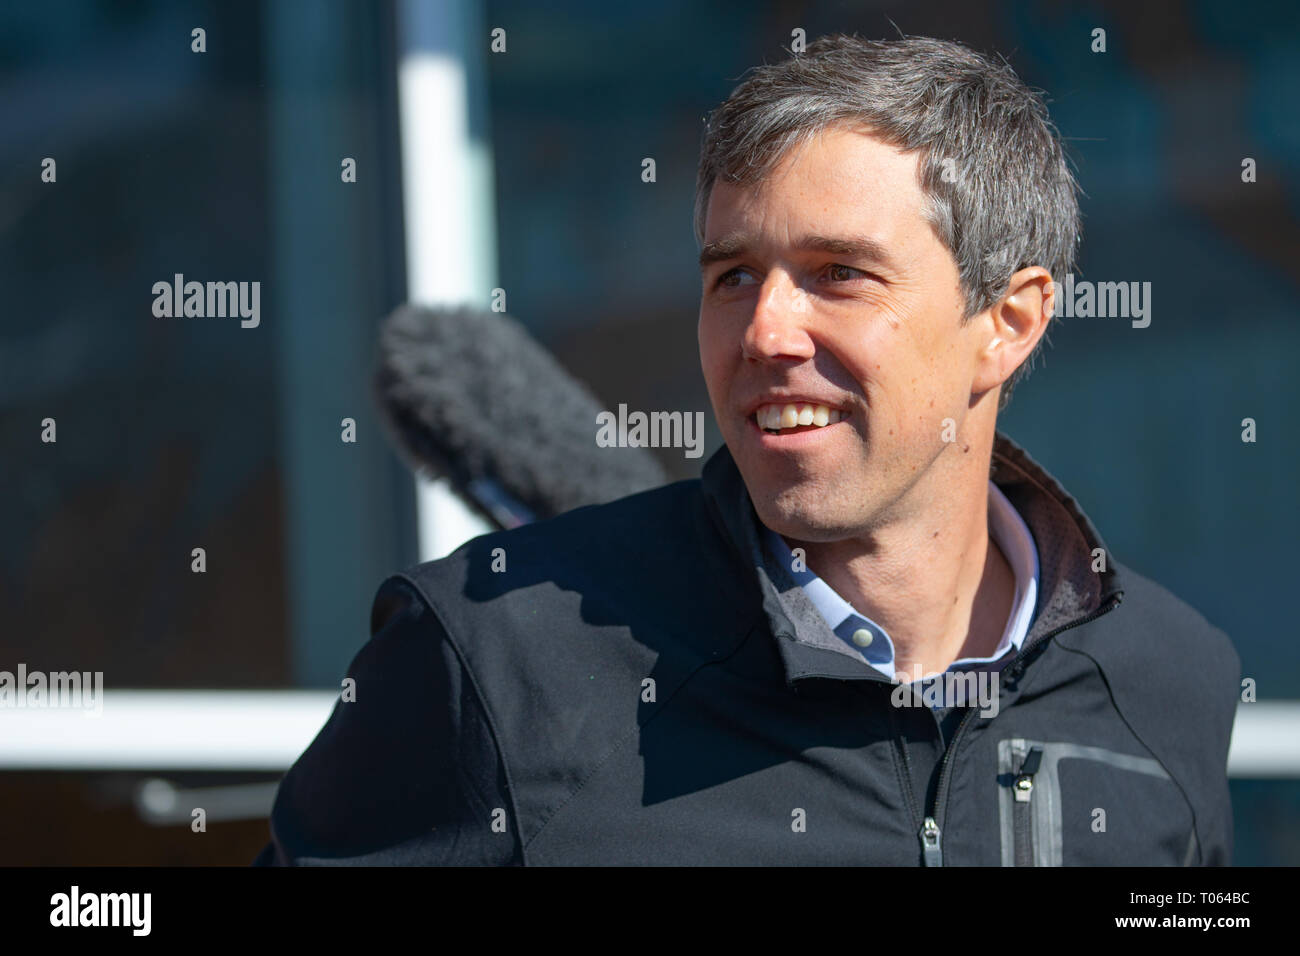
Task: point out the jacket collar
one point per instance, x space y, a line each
1069 589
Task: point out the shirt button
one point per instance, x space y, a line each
862 637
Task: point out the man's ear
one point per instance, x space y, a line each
1015 323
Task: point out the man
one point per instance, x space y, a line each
845 644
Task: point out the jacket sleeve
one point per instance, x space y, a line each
407 773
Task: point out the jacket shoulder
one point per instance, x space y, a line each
1157 649
623 558
1171 625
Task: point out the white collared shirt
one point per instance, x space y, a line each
869 640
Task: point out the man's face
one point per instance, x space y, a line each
833 290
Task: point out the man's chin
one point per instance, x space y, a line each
801 520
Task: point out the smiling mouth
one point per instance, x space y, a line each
795 417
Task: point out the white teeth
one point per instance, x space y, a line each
777 417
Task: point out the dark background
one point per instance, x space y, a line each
175 434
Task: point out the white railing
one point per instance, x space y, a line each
267 730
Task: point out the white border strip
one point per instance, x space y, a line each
267 730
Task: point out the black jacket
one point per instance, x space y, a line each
504 716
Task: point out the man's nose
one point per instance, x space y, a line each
778 327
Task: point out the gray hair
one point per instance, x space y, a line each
1000 195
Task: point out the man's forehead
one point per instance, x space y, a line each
844 158
841 184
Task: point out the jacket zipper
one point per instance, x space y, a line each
931 849
1023 790
931 833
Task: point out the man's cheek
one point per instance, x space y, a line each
713 378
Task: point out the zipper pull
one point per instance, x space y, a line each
1024 786
930 847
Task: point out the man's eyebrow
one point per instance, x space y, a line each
861 248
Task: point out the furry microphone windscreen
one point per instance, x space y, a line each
468 394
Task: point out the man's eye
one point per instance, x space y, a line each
842 273
726 277
836 272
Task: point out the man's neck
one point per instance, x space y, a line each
938 584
